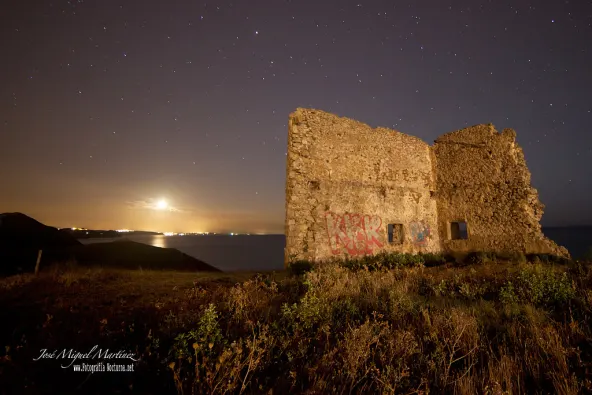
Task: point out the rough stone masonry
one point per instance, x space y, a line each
352 190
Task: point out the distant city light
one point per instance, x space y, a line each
190 233
197 233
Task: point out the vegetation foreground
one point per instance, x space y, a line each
388 326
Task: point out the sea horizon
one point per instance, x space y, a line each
241 252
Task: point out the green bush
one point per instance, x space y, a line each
442 289
539 285
305 315
384 261
345 311
507 294
204 338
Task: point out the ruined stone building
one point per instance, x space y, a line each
353 190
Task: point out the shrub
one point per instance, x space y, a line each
444 288
465 287
345 311
310 311
334 330
507 294
539 285
431 259
480 257
512 256
547 258
538 258
252 299
299 267
212 365
517 257
384 261
206 335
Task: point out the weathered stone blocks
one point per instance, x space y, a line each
346 182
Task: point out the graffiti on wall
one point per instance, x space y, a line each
406 175
420 232
354 234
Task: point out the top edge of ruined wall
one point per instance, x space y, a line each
476 132
479 132
302 115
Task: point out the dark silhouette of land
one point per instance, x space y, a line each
126 254
21 238
20 231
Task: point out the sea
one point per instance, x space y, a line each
266 252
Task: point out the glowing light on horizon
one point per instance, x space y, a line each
162 205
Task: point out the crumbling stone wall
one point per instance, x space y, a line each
482 179
346 182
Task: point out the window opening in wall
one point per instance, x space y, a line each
395 233
458 230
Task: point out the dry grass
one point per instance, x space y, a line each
491 328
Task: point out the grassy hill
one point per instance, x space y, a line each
509 326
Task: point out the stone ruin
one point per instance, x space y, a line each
353 190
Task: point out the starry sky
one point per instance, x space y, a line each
108 107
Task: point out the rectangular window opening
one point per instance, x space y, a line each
458 230
395 233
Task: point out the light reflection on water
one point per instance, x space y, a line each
228 253
159 241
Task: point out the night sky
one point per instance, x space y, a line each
107 107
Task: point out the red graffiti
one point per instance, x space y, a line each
355 234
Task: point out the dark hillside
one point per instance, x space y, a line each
125 254
21 237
